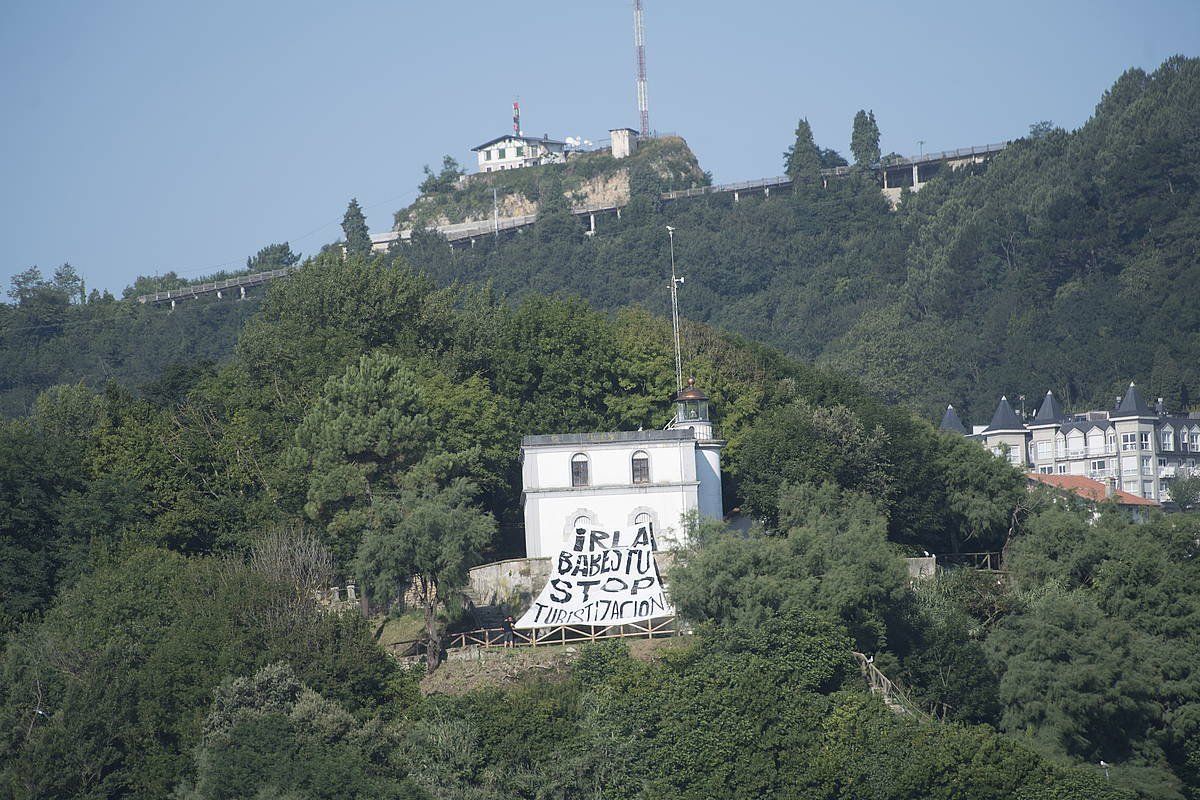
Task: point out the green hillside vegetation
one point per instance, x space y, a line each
665 164
161 551
55 332
175 487
1068 262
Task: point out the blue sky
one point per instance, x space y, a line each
141 137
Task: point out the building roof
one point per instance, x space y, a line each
612 437
951 422
689 393
531 139
1090 489
1132 404
1050 412
1005 419
1085 425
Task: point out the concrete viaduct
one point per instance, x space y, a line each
897 174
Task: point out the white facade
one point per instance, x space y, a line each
616 481
624 142
513 152
1131 447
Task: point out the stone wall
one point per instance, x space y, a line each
511 583
922 567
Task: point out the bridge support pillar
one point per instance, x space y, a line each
219 295
915 177
735 197
172 305
242 289
592 222
766 191
618 213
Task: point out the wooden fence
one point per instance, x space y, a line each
893 696
986 562
567 634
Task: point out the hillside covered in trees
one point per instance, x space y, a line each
161 551
175 488
1067 262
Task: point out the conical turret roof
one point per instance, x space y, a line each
1132 404
951 422
1051 411
1005 419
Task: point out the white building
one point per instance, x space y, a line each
624 142
622 480
1131 447
513 151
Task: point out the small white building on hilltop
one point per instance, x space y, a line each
622 480
513 151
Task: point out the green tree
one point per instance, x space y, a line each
269 735
69 282
386 427
25 284
273 256
800 443
1185 491
354 228
864 140
443 181
831 556
428 538
802 161
123 667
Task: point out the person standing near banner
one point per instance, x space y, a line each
508 630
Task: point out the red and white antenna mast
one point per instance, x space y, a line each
517 117
639 42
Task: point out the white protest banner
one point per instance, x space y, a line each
601 580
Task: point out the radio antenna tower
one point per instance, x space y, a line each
675 281
639 42
517 117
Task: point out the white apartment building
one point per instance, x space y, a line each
1130 447
622 480
513 151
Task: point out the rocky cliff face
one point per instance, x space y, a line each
588 180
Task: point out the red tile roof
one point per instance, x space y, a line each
1091 489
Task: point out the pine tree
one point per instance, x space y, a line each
68 281
276 256
803 159
864 140
354 225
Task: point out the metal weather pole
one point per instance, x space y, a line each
675 281
639 42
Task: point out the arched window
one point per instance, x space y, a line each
642 520
582 522
579 470
641 467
